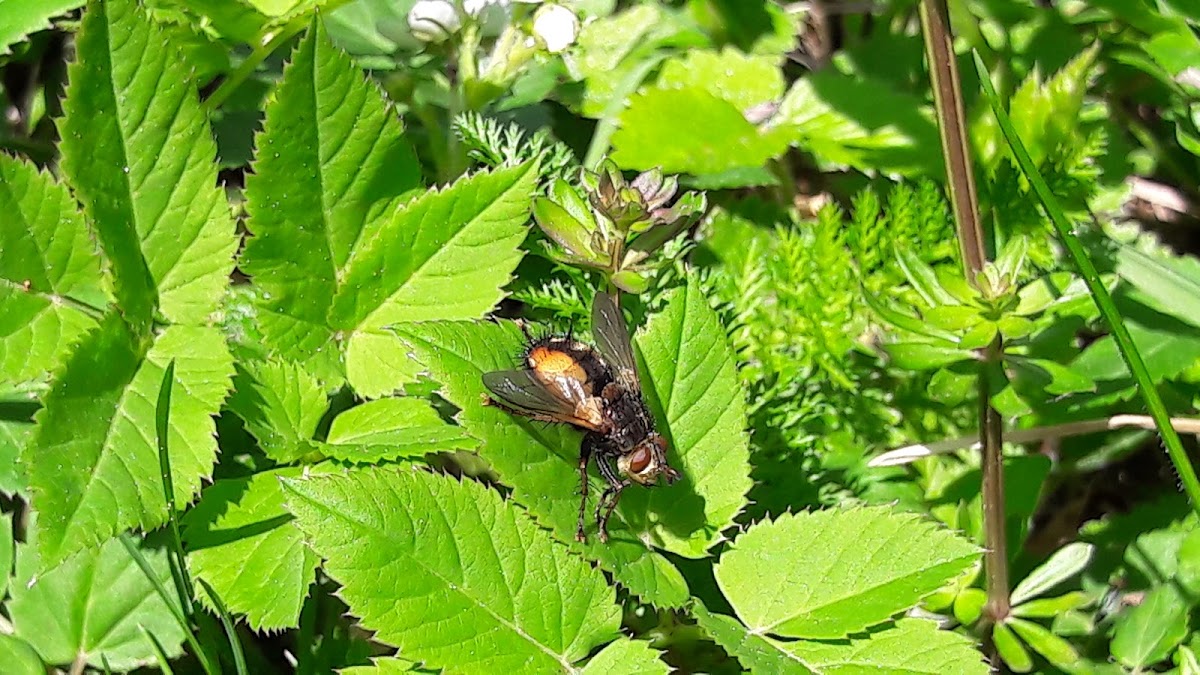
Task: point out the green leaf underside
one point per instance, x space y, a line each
246 546
627 657
281 405
19 657
908 647
451 573
93 604
837 572
392 428
92 468
690 374
142 160
45 256
332 166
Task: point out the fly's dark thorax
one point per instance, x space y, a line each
631 420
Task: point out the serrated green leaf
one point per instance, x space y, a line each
838 571
451 573
142 160
463 245
243 542
332 167
689 375
756 653
391 428
740 79
93 605
1053 648
14 436
627 657
381 666
46 259
1065 563
690 130
19 657
539 461
281 405
1146 634
21 18
1010 649
909 646
93 462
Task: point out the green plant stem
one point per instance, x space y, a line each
1108 309
947 90
261 51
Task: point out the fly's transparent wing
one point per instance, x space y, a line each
524 391
611 334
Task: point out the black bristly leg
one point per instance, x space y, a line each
611 495
585 455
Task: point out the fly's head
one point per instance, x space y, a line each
647 461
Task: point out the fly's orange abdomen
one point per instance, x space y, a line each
552 363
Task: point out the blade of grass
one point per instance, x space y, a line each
164 663
235 645
179 571
1108 309
144 565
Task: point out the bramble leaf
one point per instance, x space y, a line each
244 544
24 17
689 374
46 260
392 428
281 405
92 464
93 605
908 646
141 159
340 251
451 573
626 657
838 572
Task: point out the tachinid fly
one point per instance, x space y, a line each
597 390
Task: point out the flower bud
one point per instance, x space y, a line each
433 20
555 27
